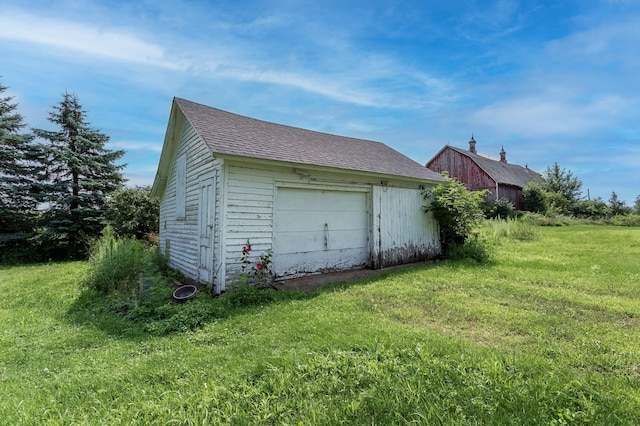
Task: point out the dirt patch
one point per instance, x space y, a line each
311 282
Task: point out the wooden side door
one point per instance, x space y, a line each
206 227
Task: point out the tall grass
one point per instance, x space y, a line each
510 228
116 264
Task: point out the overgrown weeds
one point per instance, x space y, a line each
116 264
624 220
516 229
476 248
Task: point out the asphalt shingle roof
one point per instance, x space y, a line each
502 173
233 134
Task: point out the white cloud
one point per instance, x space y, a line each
543 115
136 146
136 179
109 43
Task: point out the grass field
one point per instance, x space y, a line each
548 333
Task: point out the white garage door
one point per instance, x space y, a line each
319 230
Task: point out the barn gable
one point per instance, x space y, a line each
477 172
288 190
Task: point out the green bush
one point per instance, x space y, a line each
534 198
457 210
503 208
133 213
624 220
549 219
116 264
474 248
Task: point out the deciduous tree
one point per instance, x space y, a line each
534 198
132 212
457 210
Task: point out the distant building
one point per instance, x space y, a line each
477 172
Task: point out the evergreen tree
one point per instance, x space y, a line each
17 203
80 175
563 188
636 206
618 206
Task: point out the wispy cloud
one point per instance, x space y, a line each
600 45
547 114
110 43
487 22
136 145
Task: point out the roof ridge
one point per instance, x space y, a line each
228 133
279 124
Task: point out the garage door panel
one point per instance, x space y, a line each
293 242
353 238
317 200
346 258
294 221
300 263
319 230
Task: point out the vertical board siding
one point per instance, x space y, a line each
400 226
464 169
404 232
513 193
473 176
181 234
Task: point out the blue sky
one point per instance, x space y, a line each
550 81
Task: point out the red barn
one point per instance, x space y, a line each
477 172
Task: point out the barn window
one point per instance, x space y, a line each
181 186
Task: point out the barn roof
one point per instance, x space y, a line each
232 134
502 173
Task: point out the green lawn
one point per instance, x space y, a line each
549 333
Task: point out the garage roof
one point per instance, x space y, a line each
232 134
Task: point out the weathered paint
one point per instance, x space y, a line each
357 220
319 230
404 233
180 234
465 170
462 168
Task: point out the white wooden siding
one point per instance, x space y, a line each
397 229
249 197
179 237
403 232
181 186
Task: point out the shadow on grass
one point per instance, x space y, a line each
158 314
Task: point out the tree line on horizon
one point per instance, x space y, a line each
559 192
59 188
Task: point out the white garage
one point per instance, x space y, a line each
320 230
313 201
